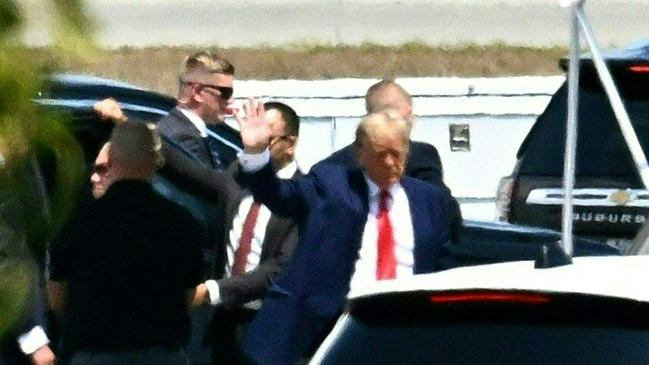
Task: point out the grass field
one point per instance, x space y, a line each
156 68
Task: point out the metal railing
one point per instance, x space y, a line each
579 21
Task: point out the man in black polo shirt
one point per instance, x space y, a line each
123 271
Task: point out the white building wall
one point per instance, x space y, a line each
499 112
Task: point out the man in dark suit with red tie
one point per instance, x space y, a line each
423 160
258 244
356 226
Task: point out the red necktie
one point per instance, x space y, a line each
386 263
241 255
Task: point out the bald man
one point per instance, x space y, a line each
123 272
422 162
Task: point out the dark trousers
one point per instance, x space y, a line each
148 356
227 327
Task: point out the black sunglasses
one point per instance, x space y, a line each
226 92
100 168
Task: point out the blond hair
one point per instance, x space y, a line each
200 63
382 123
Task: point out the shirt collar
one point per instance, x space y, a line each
374 191
197 121
288 171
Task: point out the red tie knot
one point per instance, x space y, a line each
385 198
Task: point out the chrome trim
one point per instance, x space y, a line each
590 197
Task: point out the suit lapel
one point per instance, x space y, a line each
201 150
187 123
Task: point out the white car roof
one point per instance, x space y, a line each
612 276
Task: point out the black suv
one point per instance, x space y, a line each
611 202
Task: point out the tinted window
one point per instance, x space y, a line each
601 149
571 330
489 344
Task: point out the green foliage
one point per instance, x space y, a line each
9 16
15 281
27 220
73 30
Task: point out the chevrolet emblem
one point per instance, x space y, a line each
621 197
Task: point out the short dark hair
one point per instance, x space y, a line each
290 117
136 145
384 95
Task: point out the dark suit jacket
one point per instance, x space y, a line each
187 178
10 353
423 164
21 211
331 203
279 242
179 129
228 137
229 319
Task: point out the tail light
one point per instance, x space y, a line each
490 296
639 68
504 198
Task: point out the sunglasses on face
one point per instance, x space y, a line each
100 168
225 91
276 139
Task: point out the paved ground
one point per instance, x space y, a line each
253 22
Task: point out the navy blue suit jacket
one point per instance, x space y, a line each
331 205
423 164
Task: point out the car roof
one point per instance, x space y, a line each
636 52
609 276
80 92
89 80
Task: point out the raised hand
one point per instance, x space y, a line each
255 130
108 109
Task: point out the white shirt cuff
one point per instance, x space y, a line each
213 291
254 162
33 340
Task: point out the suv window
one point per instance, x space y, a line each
610 202
601 149
566 329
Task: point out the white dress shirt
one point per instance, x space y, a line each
33 340
400 218
259 233
402 230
